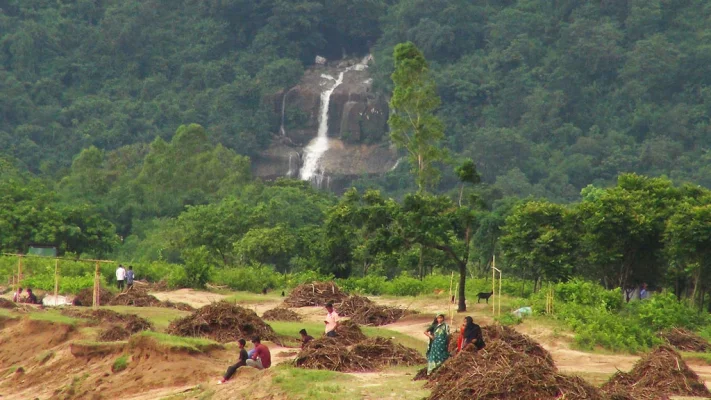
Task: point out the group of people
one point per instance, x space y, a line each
260 357
438 332
30 298
124 278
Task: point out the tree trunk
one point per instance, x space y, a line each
462 282
461 192
420 264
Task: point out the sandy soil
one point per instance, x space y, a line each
195 298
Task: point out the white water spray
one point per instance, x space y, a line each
319 144
282 131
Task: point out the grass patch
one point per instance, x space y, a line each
303 384
56 317
247 297
13 369
178 343
120 363
704 358
45 356
158 316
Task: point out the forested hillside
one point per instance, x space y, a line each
545 96
127 129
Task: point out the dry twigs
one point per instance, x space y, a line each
384 352
661 373
114 334
139 297
222 322
5 303
85 297
502 372
281 314
131 323
314 294
684 340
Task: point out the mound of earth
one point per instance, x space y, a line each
502 372
684 340
85 297
131 323
222 322
281 314
660 373
315 294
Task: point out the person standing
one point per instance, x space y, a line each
129 277
331 320
120 276
643 293
261 358
241 362
439 351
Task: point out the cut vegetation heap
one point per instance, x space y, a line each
140 298
85 297
502 372
365 354
684 340
660 373
222 322
281 314
315 294
122 325
364 311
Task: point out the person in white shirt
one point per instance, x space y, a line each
331 320
120 276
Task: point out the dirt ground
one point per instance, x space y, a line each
53 369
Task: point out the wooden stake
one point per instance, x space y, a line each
19 271
449 300
97 282
493 285
56 281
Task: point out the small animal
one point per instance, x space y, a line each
438 291
485 296
282 293
264 291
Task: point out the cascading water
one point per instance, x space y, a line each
282 131
319 145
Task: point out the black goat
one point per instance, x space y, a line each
484 296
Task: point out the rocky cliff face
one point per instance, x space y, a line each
357 126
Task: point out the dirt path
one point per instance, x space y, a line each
195 298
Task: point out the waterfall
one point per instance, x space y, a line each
319 145
282 131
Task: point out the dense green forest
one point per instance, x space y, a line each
127 127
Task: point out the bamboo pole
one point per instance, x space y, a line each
493 285
449 302
499 293
56 282
19 271
97 282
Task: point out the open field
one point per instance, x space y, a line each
48 355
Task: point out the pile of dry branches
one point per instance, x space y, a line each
139 297
365 312
519 342
114 333
684 340
5 303
281 314
383 352
85 297
222 322
661 373
131 323
365 355
315 294
351 304
349 333
502 372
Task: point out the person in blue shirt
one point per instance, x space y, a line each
129 277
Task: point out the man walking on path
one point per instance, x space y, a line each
241 362
120 276
261 358
331 320
129 277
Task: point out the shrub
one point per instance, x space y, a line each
405 285
120 363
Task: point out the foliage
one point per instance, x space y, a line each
120 363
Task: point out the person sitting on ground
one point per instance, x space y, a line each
305 338
17 297
241 362
331 320
129 277
261 358
471 334
31 298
